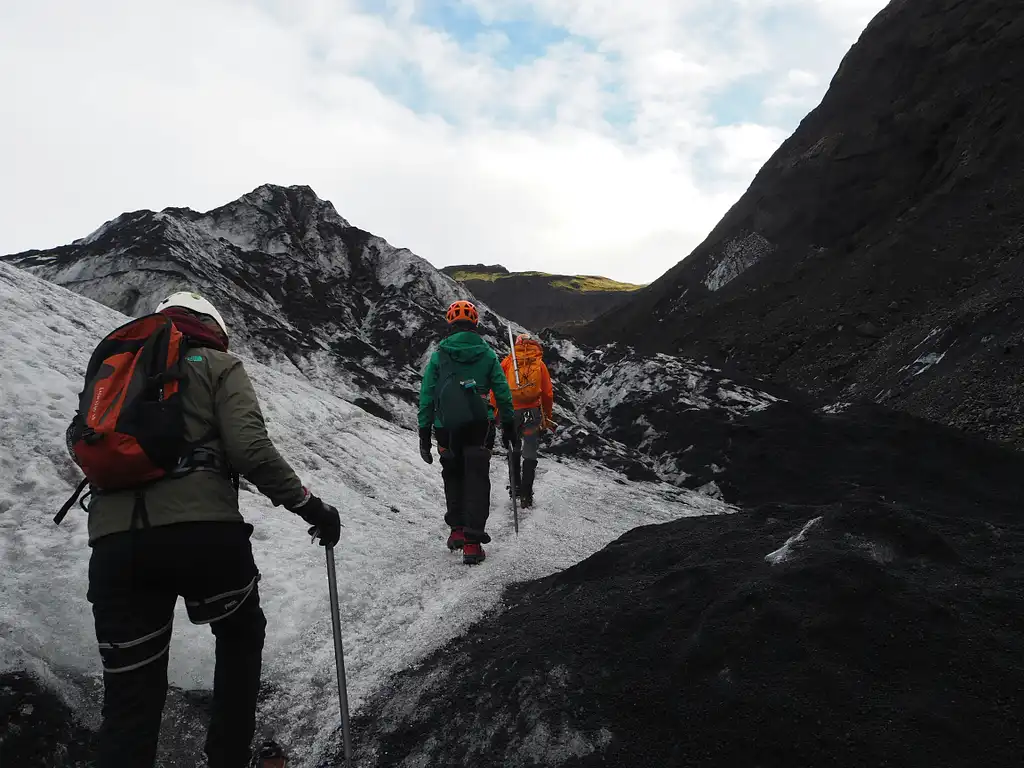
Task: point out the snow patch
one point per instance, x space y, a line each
14 658
881 552
837 407
924 362
785 552
737 256
752 400
567 350
711 490
931 335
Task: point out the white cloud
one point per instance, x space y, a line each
591 158
797 91
743 149
800 78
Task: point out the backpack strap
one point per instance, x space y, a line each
59 517
195 460
139 511
202 458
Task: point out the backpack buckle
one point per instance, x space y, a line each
201 459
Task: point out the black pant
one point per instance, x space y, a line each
135 579
465 469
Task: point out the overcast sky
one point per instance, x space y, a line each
582 136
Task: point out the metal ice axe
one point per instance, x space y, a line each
515 363
339 656
511 463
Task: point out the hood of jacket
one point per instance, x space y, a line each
194 329
465 346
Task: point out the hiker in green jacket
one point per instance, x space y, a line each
457 381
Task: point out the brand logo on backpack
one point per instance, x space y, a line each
130 427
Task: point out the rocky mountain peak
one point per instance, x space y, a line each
298 205
299 286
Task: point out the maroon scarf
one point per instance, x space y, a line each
197 331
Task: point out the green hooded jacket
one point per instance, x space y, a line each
469 350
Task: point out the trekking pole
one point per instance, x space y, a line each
512 487
339 657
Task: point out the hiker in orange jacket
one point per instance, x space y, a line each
533 399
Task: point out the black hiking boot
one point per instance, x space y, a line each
526 490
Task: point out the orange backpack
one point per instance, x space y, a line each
527 393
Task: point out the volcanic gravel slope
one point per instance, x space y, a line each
866 608
877 255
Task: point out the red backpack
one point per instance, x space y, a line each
130 426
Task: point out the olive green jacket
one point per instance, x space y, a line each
218 399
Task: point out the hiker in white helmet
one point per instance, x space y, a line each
181 534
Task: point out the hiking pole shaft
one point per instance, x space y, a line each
339 656
512 347
512 486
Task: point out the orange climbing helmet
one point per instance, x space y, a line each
462 310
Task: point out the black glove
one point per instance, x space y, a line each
324 519
509 438
425 445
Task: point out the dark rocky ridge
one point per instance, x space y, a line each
890 634
539 300
646 414
36 727
877 255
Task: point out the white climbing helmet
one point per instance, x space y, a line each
194 303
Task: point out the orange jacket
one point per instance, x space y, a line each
528 353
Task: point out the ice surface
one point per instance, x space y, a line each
785 552
924 362
402 594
